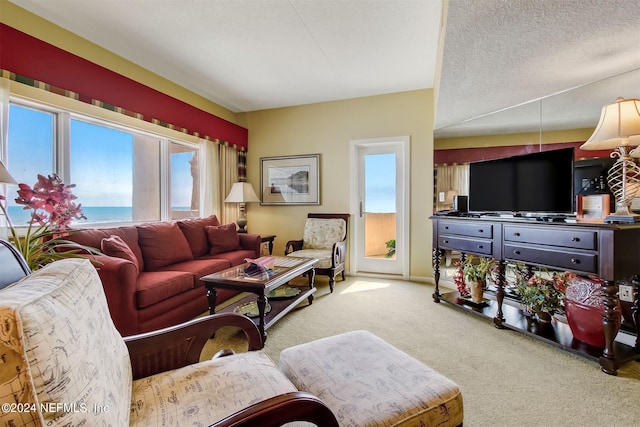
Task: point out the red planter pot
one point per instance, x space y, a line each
584 309
585 322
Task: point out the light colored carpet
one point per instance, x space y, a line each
506 378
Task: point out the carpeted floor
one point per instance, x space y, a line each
506 378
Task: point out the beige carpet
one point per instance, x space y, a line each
506 378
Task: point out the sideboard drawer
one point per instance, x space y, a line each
563 237
476 246
580 261
469 228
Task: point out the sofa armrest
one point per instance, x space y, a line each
181 345
282 409
119 278
292 246
250 242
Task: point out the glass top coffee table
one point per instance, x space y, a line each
270 300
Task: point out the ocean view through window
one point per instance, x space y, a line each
117 171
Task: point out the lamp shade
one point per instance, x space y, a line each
241 192
619 125
5 176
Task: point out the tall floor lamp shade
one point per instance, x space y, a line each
5 178
619 129
241 192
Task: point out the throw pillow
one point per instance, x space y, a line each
116 247
193 230
162 244
223 238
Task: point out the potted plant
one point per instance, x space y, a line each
542 294
475 270
52 207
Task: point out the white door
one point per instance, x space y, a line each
380 206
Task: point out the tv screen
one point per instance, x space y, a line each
532 183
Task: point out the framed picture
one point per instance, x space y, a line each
593 208
290 180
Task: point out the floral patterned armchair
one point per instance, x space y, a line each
64 363
324 238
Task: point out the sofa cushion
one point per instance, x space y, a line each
236 257
223 238
162 243
116 247
207 392
57 332
193 230
322 255
93 237
199 268
154 286
322 233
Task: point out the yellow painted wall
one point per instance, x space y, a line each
327 128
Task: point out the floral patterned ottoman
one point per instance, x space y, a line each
367 382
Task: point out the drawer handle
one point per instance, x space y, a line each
575 239
516 252
481 231
575 261
480 247
446 227
516 234
446 241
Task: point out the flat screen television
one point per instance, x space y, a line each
537 183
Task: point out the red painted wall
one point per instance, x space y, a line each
25 55
466 155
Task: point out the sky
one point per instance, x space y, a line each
380 183
101 159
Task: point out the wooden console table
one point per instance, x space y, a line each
610 251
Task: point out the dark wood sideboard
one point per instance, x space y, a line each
610 251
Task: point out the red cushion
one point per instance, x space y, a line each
116 247
93 237
193 230
162 243
223 238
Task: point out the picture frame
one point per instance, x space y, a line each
290 180
593 208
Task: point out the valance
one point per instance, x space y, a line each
28 60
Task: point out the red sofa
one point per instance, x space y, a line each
151 272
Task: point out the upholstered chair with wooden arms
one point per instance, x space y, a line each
12 264
64 363
324 238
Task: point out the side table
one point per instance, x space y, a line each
269 240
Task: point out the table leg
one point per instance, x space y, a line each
635 310
437 253
212 295
497 321
312 278
262 305
608 362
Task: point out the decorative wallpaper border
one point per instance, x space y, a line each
73 95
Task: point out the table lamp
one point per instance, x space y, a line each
619 129
242 192
5 178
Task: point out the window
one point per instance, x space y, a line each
185 188
32 136
117 172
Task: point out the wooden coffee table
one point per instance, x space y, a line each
286 268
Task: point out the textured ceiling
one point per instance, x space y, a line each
503 53
256 54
